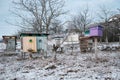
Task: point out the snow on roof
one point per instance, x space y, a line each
115 17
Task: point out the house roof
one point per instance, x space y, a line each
114 18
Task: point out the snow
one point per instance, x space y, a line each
76 66
2 47
110 46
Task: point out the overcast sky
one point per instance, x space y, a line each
74 6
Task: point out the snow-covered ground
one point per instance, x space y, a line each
76 66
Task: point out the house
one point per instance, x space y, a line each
71 40
58 38
72 36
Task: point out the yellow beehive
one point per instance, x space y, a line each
29 43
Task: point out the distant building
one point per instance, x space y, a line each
114 18
58 40
72 38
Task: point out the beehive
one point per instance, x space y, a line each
41 43
10 42
29 43
96 31
34 42
85 44
87 33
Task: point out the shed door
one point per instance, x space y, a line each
29 43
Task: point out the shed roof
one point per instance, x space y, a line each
96 26
33 34
115 16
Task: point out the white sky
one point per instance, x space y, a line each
74 6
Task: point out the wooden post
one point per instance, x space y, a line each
95 40
72 46
119 39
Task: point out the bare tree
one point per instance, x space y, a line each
57 27
104 15
82 20
114 22
37 15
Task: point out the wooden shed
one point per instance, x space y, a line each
34 41
10 42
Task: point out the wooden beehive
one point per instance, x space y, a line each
10 42
96 31
29 43
85 44
87 33
34 42
42 43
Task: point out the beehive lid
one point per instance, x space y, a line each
96 27
33 34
